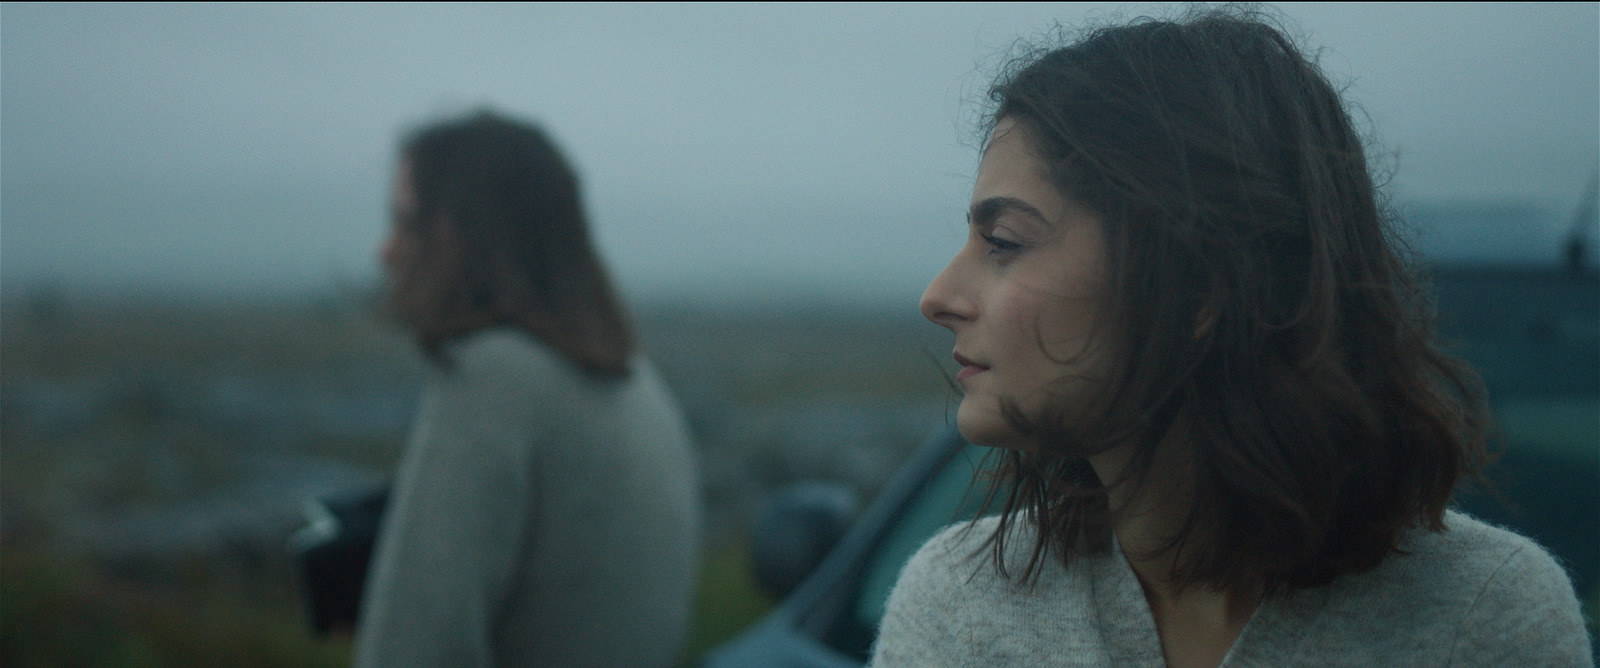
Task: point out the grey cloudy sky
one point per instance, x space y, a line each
725 149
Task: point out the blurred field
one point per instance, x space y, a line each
156 453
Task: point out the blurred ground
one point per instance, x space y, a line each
156 454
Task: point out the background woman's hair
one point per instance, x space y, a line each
499 238
1260 301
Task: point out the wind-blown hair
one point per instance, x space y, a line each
499 238
1264 315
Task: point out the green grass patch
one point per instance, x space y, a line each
726 600
66 610
62 610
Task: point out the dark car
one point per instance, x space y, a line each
1533 333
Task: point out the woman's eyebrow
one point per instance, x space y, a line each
984 213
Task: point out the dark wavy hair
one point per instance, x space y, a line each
499 238
1266 316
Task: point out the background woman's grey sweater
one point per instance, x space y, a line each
540 517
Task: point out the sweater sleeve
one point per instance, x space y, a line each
459 517
1525 615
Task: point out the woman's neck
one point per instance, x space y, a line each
1197 623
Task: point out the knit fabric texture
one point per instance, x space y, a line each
1475 595
541 517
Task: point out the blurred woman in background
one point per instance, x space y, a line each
546 511
1228 439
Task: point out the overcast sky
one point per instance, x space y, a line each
724 149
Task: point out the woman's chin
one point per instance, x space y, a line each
985 425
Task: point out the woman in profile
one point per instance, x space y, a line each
546 511
1226 437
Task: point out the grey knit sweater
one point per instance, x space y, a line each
1475 595
540 518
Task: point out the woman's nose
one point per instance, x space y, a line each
944 302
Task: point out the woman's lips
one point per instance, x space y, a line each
968 367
